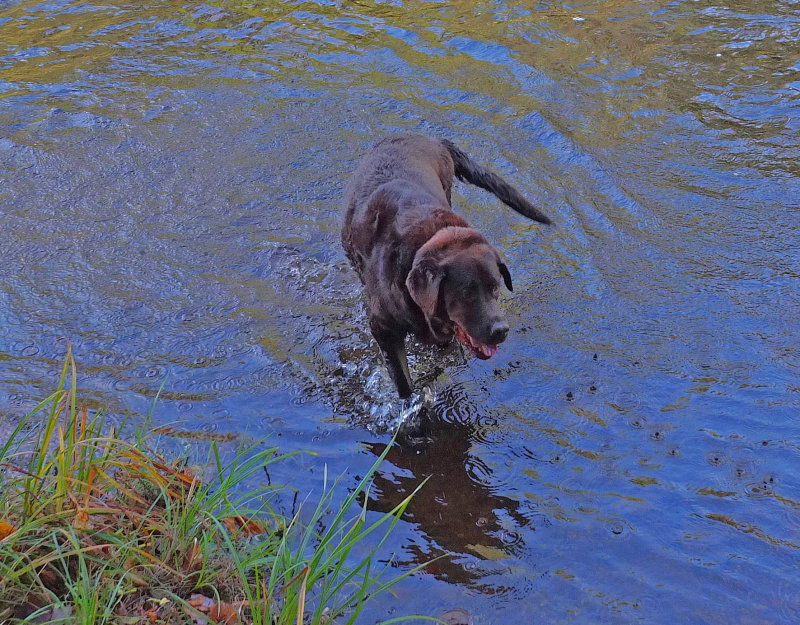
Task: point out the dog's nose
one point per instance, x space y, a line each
499 332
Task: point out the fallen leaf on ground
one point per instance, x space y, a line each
182 476
6 529
244 525
219 612
49 578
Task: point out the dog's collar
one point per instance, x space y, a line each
444 238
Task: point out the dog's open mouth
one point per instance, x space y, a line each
481 350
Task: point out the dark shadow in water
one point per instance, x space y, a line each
458 515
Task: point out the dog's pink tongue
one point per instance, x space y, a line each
488 350
479 349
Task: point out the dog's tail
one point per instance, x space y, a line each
470 171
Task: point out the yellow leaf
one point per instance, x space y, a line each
488 553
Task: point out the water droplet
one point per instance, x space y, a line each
508 537
715 457
638 422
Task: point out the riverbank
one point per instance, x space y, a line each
97 527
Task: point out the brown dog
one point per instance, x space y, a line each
425 271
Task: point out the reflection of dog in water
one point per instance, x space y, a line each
425 270
457 513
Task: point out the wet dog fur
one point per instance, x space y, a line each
425 270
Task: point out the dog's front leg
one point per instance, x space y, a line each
393 346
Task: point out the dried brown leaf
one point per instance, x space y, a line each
165 429
49 578
193 559
246 526
223 613
81 520
301 600
218 611
200 602
184 477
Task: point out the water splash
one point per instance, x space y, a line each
389 416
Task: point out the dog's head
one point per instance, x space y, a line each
455 280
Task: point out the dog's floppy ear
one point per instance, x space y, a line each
505 273
423 285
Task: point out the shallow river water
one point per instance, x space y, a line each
170 176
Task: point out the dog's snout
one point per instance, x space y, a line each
499 332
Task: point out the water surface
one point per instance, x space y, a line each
170 176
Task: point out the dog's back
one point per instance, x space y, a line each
430 164
416 159
400 168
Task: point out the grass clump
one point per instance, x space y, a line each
94 529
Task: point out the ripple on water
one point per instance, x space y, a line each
787 604
638 422
29 350
510 538
626 401
457 616
456 406
479 472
